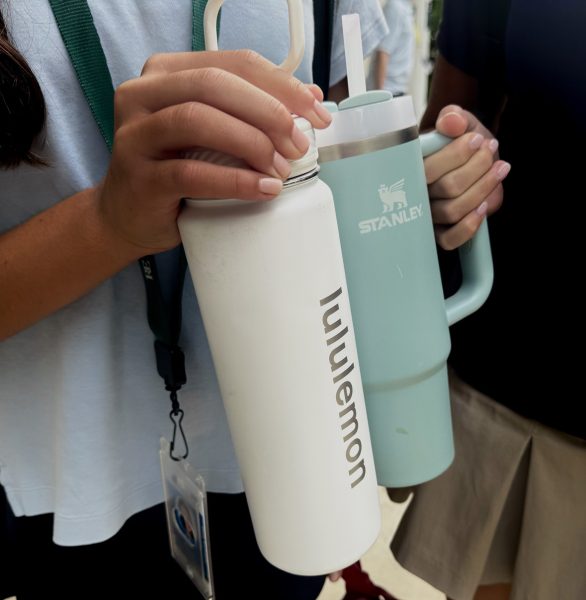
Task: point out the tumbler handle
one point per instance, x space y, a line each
475 255
296 31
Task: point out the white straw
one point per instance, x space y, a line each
354 55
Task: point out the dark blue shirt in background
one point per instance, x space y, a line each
520 348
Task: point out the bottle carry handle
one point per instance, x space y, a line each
296 32
475 255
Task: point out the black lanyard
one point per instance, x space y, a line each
163 274
323 18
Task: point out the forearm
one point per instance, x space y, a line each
381 65
56 257
338 91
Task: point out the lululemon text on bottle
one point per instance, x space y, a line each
340 370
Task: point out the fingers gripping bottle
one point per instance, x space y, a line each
270 282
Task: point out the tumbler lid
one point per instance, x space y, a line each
364 115
367 116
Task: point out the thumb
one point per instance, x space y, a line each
454 121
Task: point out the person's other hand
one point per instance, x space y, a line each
236 103
464 178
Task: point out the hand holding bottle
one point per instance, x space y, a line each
234 102
464 178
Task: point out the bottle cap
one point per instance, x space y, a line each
308 162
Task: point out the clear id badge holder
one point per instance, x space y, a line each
187 522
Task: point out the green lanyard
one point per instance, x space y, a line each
82 42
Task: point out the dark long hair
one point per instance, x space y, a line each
22 106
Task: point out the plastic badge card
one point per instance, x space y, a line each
185 500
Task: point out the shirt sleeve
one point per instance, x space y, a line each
393 19
373 27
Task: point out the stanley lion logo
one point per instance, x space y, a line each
396 210
393 196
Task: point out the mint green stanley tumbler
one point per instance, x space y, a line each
371 156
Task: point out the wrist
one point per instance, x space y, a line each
115 246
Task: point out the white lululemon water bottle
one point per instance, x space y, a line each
270 282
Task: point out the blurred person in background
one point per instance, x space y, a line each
392 63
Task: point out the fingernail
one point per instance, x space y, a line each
270 186
482 209
308 91
493 145
452 112
322 112
281 165
299 139
503 171
316 91
476 141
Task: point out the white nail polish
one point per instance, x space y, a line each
482 209
503 171
493 145
271 186
476 141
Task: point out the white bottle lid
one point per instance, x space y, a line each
305 164
308 162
